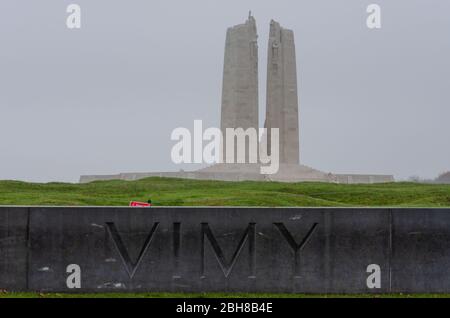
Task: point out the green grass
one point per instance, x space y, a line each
182 192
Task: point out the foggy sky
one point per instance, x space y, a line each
104 99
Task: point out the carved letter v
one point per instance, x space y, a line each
118 243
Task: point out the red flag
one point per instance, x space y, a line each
139 204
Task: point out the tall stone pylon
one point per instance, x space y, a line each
282 99
240 80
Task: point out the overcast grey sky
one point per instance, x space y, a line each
104 99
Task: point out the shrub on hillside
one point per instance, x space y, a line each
444 177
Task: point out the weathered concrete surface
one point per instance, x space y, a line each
421 251
13 247
282 99
226 249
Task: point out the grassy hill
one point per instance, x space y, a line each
182 192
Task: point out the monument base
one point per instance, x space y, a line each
250 172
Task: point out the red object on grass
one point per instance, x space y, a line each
139 204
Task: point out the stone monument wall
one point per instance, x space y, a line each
192 249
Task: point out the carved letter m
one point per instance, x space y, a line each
226 266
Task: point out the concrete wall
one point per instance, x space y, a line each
300 174
220 176
363 178
225 249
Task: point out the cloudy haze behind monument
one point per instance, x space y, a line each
105 98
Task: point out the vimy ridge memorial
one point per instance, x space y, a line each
240 111
232 249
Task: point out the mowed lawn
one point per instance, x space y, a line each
182 192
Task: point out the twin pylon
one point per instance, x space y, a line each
240 101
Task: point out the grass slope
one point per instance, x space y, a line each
182 192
